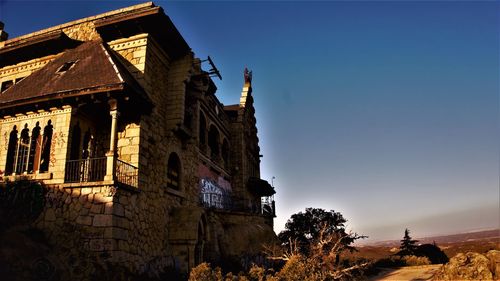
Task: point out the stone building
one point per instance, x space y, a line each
144 166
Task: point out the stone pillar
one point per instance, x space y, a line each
111 154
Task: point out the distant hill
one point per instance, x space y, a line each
463 237
486 235
478 241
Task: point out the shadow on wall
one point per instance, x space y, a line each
50 234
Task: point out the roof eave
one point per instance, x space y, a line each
63 94
150 20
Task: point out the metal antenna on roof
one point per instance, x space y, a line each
214 71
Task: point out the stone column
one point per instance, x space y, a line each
111 154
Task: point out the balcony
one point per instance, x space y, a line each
94 170
85 170
126 173
226 202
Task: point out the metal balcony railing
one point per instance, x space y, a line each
224 201
216 200
268 206
85 170
94 169
126 173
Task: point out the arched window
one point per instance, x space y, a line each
34 149
46 144
225 153
213 142
173 171
11 151
203 130
22 152
76 136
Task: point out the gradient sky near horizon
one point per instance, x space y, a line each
387 111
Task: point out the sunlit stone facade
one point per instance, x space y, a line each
144 166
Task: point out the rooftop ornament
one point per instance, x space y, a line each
248 76
3 35
213 71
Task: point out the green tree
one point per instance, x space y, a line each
408 246
305 228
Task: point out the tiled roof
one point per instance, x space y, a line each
93 70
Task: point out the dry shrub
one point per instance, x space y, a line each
414 260
321 264
296 269
203 272
257 273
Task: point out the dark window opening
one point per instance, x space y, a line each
213 142
65 67
88 146
23 150
225 153
6 85
188 119
173 172
34 153
46 145
203 129
11 151
75 142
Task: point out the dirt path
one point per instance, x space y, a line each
408 273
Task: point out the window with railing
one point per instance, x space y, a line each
29 153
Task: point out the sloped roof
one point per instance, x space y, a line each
36 46
94 70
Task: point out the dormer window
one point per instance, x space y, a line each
66 66
6 85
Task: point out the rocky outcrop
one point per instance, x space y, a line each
494 256
471 266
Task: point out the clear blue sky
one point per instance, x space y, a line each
385 111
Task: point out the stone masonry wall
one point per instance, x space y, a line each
132 52
86 226
148 211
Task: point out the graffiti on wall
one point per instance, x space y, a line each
58 140
213 195
6 141
214 190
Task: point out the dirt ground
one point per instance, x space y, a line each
408 273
